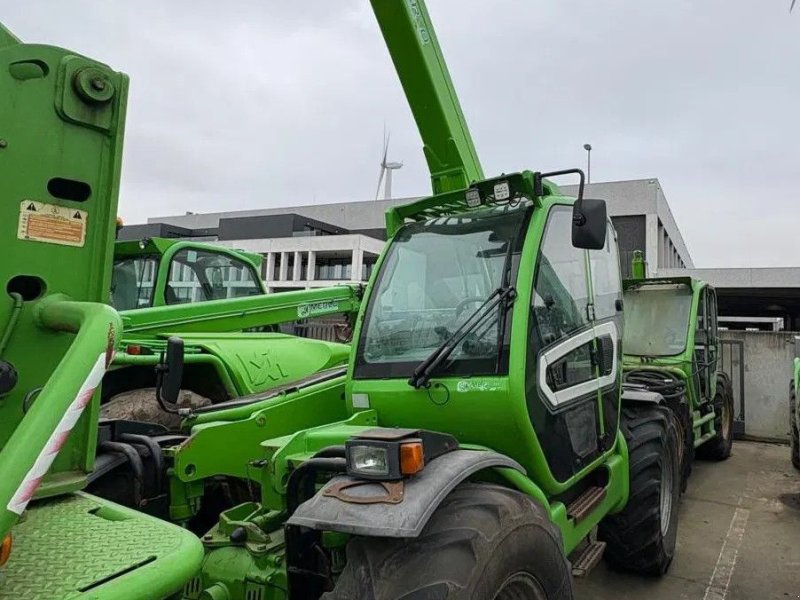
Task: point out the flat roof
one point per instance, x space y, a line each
625 198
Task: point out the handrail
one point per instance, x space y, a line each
43 430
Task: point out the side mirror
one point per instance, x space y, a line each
169 375
589 218
589 224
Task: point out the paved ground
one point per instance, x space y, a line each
738 535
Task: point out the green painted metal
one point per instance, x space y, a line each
262 441
242 313
60 158
97 550
496 419
164 251
29 451
253 569
7 38
486 412
243 430
638 265
244 363
683 364
63 142
419 62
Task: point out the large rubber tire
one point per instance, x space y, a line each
684 424
484 542
794 433
641 538
719 447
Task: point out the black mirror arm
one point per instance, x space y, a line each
161 369
169 374
538 183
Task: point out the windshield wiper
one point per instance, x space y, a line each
500 297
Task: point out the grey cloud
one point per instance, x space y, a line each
252 103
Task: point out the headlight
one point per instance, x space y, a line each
368 461
390 454
387 460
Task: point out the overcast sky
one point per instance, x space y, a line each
248 104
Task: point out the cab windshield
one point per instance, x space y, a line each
132 282
657 319
435 275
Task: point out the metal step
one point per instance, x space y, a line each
589 556
82 547
584 504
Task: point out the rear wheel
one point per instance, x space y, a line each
794 432
641 538
484 542
719 447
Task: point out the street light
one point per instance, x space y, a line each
588 148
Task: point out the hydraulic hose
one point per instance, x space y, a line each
301 482
137 466
661 382
155 451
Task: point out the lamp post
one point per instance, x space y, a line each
588 148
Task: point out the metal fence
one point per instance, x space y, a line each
327 330
732 362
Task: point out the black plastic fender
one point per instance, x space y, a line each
422 494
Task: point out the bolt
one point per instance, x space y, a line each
98 84
3 144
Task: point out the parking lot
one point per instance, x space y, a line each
738 538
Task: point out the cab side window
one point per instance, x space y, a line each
200 276
561 293
606 277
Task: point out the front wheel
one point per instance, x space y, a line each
484 542
641 538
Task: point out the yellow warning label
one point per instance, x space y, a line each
50 223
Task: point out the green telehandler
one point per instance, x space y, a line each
481 434
60 150
231 328
672 346
163 272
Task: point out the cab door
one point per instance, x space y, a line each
574 349
706 342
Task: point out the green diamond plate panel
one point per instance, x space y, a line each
79 546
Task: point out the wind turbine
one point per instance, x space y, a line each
386 170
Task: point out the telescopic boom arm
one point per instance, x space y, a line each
420 64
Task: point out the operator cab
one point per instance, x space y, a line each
495 322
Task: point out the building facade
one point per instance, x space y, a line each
323 244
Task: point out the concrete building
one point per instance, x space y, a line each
756 296
643 220
316 245
320 245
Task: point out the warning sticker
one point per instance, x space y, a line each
50 223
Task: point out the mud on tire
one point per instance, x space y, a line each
641 538
484 542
